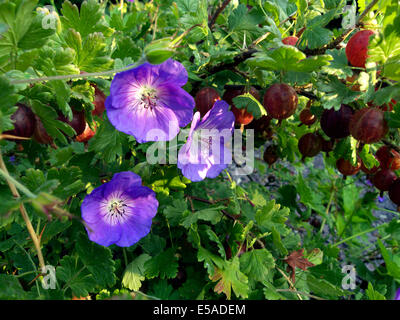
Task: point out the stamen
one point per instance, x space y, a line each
148 98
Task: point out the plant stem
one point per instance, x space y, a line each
18 185
75 76
32 233
360 234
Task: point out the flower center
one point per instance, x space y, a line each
116 208
148 98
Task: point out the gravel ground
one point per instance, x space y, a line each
382 202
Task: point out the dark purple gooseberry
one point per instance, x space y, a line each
346 168
205 99
327 145
40 134
394 192
310 144
383 179
280 101
306 117
78 122
335 124
24 122
368 125
271 155
388 158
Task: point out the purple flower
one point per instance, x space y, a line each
148 102
120 211
397 297
381 199
205 153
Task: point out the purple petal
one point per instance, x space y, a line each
218 117
144 209
179 101
120 181
145 124
194 172
171 71
397 297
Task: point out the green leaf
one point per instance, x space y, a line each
257 264
333 93
89 20
339 65
288 58
270 292
8 99
176 211
315 256
75 276
98 260
393 118
134 273
251 104
163 265
231 278
211 214
108 141
10 288
392 267
24 28
92 54
373 294
316 37
48 117
321 287
70 181
272 215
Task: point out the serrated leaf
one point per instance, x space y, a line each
272 215
75 276
373 294
10 288
8 99
257 264
251 104
134 273
288 58
91 53
176 211
231 278
98 260
70 181
211 214
339 65
392 267
108 141
86 21
163 265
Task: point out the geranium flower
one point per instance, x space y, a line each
148 102
120 211
397 297
205 153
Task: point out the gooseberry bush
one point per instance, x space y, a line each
92 91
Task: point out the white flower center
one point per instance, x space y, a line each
116 210
148 97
